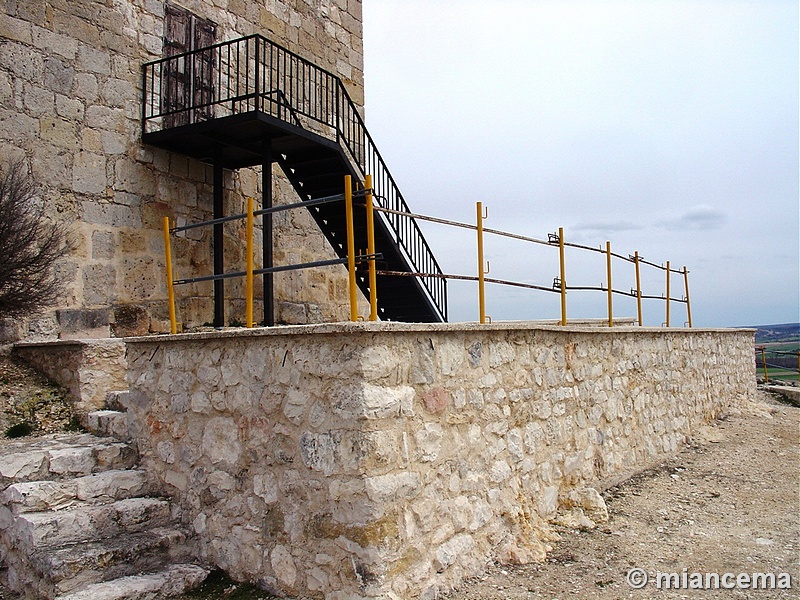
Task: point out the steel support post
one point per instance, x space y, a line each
686 288
373 278
219 261
351 247
610 293
173 321
563 275
481 271
266 225
638 288
249 260
668 280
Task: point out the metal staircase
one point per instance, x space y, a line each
251 102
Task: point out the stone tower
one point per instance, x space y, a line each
71 110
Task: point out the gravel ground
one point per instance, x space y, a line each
29 402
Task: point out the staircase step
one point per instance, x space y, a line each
71 567
117 484
25 466
107 486
37 496
175 580
61 456
76 520
111 423
86 523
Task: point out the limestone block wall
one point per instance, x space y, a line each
70 109
382 460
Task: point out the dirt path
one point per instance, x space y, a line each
729 503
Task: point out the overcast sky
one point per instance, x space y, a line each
668 128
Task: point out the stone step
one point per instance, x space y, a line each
38 496
106 486
111 423
173 581
31 531
117 400
69 568
62 456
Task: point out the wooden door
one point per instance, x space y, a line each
188 80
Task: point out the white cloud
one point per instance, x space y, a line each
606 226
698 218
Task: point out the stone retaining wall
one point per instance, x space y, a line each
87 369
391 460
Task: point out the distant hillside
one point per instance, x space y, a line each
787 332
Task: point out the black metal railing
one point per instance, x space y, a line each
254 74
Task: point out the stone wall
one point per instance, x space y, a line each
70 109
86 369
381 460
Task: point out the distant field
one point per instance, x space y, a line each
781 346
779 375
788 332
779 353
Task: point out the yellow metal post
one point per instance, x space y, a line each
764 364
351 247
249 274
686 288
173 322
373 276
608 278
562 274
667 293
638 288
481 272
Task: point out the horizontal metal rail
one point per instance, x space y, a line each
264 211
631 294
519 284
553 241
780 352
279 269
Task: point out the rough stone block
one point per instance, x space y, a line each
11 330
114 484
108 423
94 61
89 173
69 108
39 495
58 75
34 530
17 127
18 30
71 461
83 323
175 580
130 320
103 245
22 466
